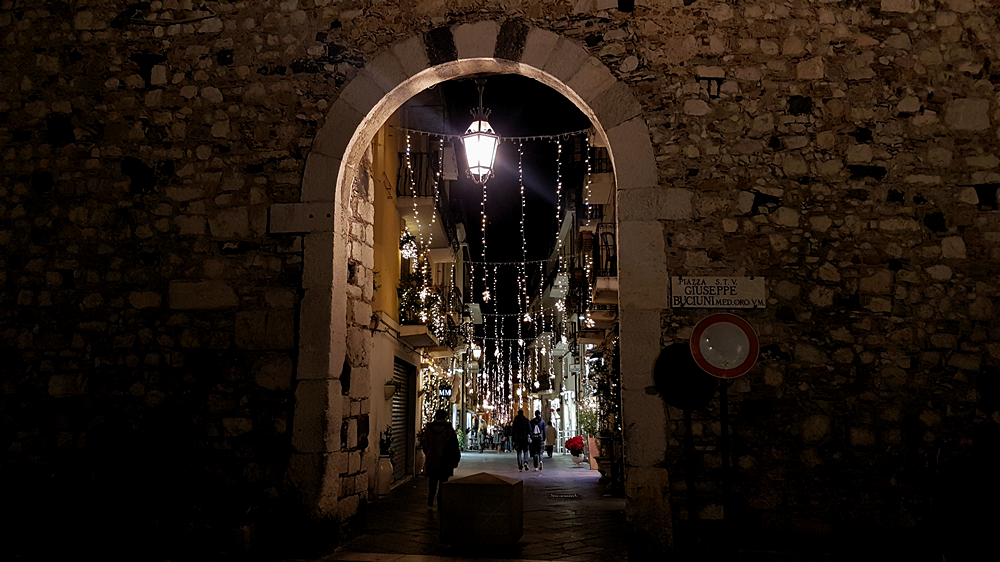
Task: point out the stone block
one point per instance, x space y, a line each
953 247
352 443
61 386
317 260
412 55
645 417
902 6
538 46
361 385
565 59
697 108
809 354
386 71
233 427
348 507
965 362
880 283
939 272
615 105
286 218
591 80
189 225
304 477
316 350
968 114
647 502
815 428
265 329
201 295
363 93
145 299
642 267
318 416
981 309
794 166
641 347
811 69
230 223
336 133
632 153
482 509
319 179
273 372
655 203
476 40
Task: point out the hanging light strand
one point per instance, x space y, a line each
551 137
522 293
486 290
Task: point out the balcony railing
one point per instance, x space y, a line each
417 179
606 251
594 212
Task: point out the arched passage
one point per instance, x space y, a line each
331 341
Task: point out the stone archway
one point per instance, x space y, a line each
330 340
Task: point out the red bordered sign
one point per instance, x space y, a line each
724 345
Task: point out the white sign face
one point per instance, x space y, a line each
717 292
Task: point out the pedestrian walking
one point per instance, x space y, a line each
536 438
441 452
519 429
550 439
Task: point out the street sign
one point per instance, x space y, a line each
717 292
724 345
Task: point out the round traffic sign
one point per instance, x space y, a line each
724 345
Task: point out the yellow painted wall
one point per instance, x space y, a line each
385 166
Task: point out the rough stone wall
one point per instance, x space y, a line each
845 151
361 459
848 155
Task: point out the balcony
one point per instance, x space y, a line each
416 195
603 315
605 274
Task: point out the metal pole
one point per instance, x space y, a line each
724 452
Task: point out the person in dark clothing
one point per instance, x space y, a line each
536 439
519 429
441 450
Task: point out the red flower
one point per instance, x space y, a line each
575 444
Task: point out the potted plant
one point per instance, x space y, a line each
384 474
575 446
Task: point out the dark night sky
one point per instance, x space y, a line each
520 107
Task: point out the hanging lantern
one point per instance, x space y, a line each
481 142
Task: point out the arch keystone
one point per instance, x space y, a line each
476 40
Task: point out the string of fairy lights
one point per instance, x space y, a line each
509 363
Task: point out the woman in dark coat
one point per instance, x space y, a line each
442 454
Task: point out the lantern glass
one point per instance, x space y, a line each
481 143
